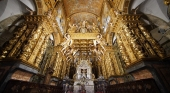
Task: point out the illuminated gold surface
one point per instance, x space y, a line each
79 37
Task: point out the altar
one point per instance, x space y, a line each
83 79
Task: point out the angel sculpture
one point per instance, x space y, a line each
99 40
66 43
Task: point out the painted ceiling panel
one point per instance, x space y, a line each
76 6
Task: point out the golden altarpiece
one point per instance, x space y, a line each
122 47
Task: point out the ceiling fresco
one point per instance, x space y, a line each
76 6
83 10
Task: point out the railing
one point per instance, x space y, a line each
16 86
140 86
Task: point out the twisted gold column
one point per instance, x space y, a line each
14 44
104 71
30 44
159 50
115 62
134 41
60 67
63 69
109 66
123 51
41 52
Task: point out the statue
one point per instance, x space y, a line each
84 75
99 40
83 79
95 29
72 28
83 28
66 43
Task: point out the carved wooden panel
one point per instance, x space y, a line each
20 75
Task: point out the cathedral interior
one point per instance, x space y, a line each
84 46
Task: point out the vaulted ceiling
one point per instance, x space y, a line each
79 10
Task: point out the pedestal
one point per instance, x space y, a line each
89 87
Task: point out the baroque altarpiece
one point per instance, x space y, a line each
54 44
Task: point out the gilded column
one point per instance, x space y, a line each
127 43
17 48
30 44
104 71
68 68
63 69
58 61
134 43
34 44
123 51
60 67
115 64
147 49
157 48
109 65
56 65
13 42
99 67
41 52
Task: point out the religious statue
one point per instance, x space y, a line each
72 28
99 40
83 28
95 29
66 43
84 75
83 79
